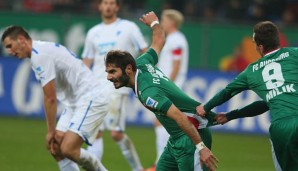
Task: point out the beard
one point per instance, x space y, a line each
108 14
123 81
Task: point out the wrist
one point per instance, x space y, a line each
154 23
200 146
232 115
206 108
51 129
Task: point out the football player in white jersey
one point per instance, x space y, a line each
66 78
113 33
173 62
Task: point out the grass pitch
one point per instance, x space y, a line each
22 148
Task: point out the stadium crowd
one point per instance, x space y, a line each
285 11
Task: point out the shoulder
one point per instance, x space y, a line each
149 92
43 52
177 38
291 49
178 35
128 24
94 29
149 57
42 48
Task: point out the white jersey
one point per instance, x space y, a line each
175 48
75 84
119 35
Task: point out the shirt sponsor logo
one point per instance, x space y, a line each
151 103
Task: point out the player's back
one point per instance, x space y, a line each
74 82
274 78
157 92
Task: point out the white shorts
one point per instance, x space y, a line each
84 120
115 119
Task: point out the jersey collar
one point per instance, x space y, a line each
271 52
136 84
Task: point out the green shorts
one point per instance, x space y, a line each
181 154
284 136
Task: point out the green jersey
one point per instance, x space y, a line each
273 77
157 93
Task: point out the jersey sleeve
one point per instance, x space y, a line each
177 49
238 85
253 109
138 38
177 53
149 57
155 101
89 49
44 69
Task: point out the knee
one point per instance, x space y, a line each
117 135
68 151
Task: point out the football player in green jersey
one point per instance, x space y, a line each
176 111
274 77
251 110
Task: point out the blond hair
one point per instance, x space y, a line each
174 15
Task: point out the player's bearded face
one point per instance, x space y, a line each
117 76
123 80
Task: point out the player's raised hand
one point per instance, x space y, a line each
200 110
208 159
149 18
221 118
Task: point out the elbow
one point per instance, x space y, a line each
50 100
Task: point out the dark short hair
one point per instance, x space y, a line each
14 31
117 2
266 33
120 59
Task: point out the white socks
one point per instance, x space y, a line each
129 152
68 165
162 137
97 148
89 162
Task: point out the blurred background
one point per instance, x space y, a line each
219 33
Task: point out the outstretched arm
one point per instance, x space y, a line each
158 35
238 85
251 110
206 155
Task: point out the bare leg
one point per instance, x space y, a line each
71 148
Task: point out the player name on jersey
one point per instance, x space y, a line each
280 90
156 74
264 63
